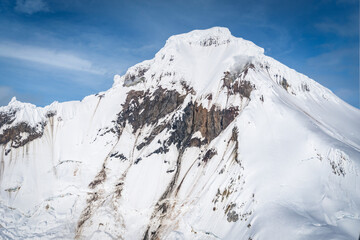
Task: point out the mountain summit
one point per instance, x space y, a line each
210 139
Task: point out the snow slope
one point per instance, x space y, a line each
210 139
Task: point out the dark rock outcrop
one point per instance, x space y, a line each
147 108
209 154
135 77
235 86
284 83
21 134
50 114
209 122
7 117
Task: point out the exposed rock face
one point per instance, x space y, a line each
213 41
136 77
209 122
50 114
232 216
142 109
147 108
284 83
21 134
7 117
209 154
235 85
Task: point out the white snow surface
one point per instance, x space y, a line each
293 172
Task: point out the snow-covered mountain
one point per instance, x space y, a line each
210 139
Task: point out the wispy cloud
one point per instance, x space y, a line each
31 6
144 48
349 28
49 57
337 28
335 58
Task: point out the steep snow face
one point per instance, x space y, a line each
211 139
198 58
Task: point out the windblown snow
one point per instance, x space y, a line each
210 139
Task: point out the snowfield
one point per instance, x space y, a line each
210 139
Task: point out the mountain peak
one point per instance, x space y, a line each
214 37
13 100
209 37
195 52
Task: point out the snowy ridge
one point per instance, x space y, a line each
184 54
210 139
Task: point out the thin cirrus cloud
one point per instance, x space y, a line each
31 6
48 57
347 28
337 28
334 58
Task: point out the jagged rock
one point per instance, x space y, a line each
209 122
7 117
209 154
234 85
21 134
50 114
284 83
142 109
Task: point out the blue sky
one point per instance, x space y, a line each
55 50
